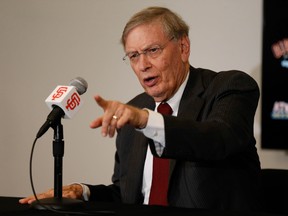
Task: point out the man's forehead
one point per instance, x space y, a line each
144 36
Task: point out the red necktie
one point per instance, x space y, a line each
161 167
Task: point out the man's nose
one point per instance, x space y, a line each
144 62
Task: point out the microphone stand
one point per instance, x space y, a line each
58 202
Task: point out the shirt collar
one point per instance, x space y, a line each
175 100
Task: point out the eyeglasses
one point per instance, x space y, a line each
152 52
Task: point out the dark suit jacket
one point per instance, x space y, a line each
210 143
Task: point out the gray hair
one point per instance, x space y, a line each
173 24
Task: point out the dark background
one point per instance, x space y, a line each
274 76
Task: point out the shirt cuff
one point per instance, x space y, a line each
155 130
86 191
155 127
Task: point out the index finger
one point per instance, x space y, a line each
100 101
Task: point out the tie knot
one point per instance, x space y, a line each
164 108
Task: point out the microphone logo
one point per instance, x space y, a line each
67 98
73 102
60 91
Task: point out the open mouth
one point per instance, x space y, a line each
150 81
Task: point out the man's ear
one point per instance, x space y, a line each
185 48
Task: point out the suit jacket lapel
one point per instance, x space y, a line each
136 162
190 103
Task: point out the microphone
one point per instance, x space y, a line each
64 101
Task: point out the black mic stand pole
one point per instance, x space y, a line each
58 202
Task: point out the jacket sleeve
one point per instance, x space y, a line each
104 193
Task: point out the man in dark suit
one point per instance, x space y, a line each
207 141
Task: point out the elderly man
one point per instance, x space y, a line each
192 127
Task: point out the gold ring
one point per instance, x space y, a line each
115 117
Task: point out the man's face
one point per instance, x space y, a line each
160 76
